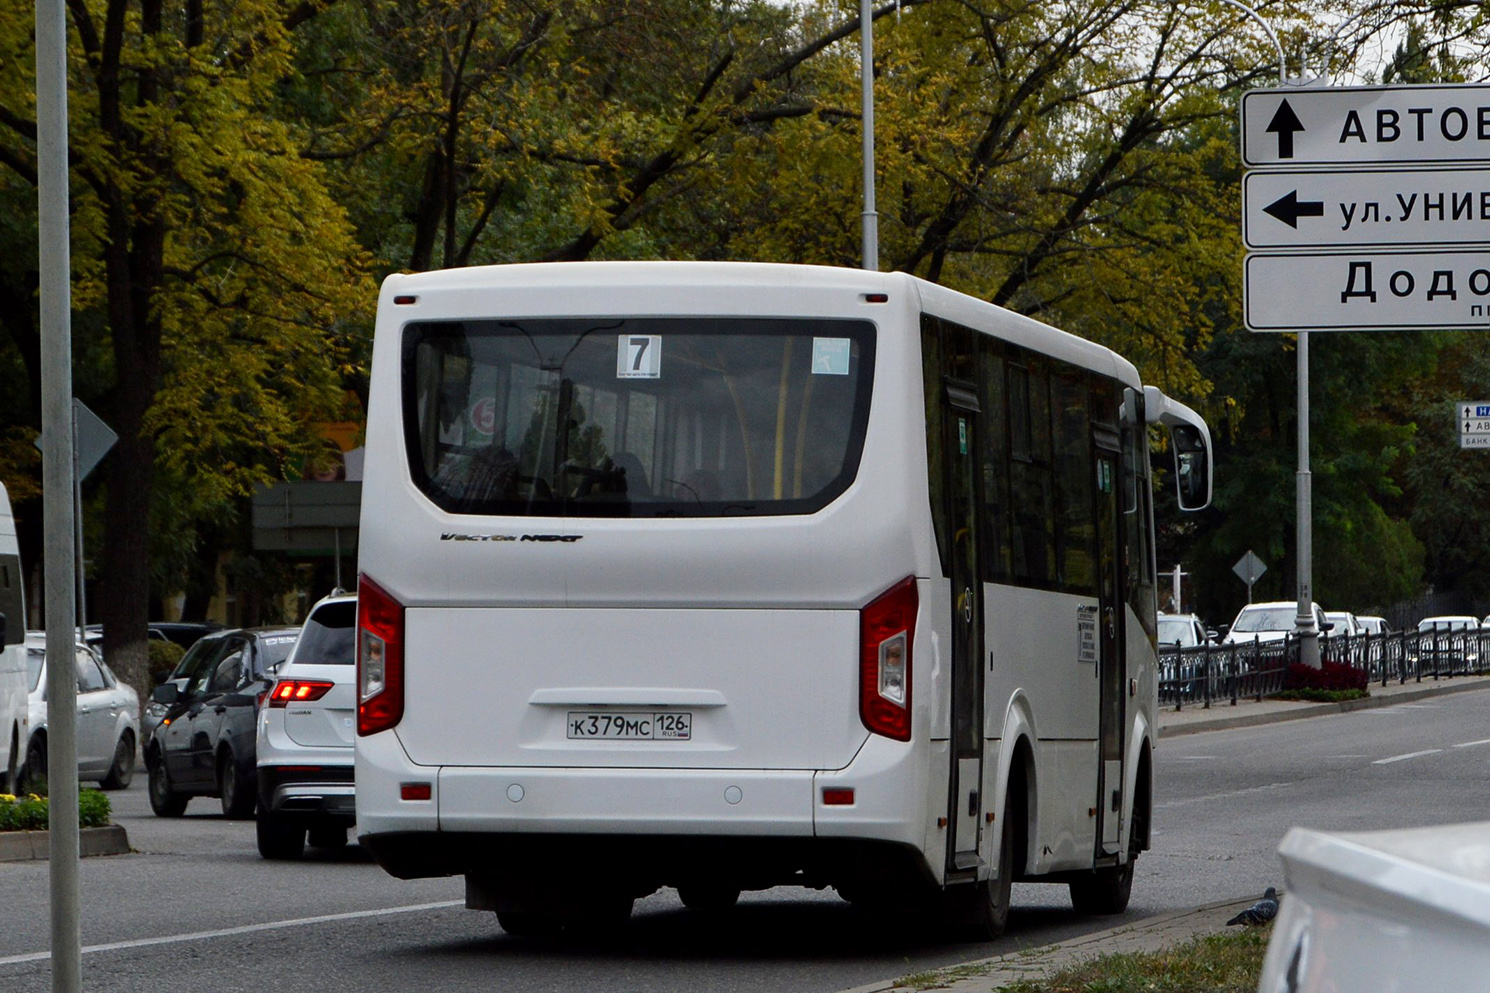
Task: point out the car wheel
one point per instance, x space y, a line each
237 792
529 924
709 898
34 776
165 801
328 836
122 771
280 838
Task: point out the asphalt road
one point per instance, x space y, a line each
197 909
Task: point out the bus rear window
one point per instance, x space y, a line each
661 417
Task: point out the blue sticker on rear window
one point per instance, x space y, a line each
830 356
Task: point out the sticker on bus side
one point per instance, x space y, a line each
1086 633
639 356
830 356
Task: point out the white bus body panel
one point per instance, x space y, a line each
14 729
761 690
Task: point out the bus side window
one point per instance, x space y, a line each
931 377
997 547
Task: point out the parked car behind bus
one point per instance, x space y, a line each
204 745
305 736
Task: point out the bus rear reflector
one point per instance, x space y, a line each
415 791
886 626
380 659
838 797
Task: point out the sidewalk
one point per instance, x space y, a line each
1174 928
1248 712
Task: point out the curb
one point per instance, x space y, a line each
1149 934
24 846
1302 711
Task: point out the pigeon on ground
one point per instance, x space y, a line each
1260 912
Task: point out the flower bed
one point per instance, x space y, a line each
30 812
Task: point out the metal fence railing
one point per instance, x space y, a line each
1207 674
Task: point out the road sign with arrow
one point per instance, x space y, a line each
1473 417
1388 230
1364 124
1365 208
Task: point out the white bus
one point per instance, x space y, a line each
14 685
725 576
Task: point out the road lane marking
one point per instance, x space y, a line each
1472 744
228 932
1409 755
1221 796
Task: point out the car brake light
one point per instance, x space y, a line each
380 659
886 626
288 691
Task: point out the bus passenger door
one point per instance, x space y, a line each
1112 670
965 815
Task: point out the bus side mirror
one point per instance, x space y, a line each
166 693
1191 441
1192 467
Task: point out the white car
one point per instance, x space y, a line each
1272 621
1382 910
1375 625
1346 624
1183 631
1449 622
108 727
305 734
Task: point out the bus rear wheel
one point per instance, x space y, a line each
709 898
1105 890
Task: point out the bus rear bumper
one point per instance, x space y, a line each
744 808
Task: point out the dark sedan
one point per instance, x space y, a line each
205 743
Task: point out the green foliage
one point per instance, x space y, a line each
30 812
239 180
163 658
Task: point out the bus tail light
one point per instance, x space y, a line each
380 659
886 626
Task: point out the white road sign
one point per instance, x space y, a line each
1348 208
1474 441
1366 124
1473 417
1367 291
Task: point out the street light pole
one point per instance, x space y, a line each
871 236
55 258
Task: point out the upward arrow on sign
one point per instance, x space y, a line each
1285 124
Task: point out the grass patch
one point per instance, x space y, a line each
31 812
1321 696
1220 963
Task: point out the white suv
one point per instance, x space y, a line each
306 730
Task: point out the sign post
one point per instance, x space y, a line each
1366 238
1249 569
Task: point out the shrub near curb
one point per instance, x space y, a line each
30 812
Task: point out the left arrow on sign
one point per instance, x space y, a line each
1285 124
1290 208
